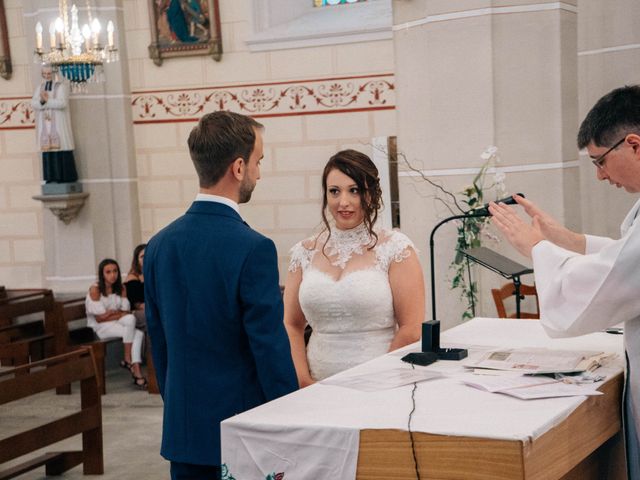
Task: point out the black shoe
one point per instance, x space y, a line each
140 382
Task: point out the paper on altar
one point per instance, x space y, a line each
528 387
559 389
540 360
383 380
498 383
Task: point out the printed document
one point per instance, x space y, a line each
540 360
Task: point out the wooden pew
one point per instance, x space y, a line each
37 377
22 343
74 309
18 302
18 340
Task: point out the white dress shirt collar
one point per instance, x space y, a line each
207 197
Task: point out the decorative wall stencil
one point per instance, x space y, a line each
184 27
16 113
308 97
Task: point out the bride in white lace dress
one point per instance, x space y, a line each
360 288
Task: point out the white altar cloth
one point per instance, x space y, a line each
314 432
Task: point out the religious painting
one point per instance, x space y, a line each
326 3
184 27
5 55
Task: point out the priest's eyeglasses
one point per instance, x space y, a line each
599 162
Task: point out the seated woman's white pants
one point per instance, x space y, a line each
124 327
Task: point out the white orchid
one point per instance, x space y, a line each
489 152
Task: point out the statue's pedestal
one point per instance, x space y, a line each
65 206
61 188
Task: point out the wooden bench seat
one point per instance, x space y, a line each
68 311
74 309
33 378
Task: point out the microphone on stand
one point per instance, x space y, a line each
431 350
431 329
484 210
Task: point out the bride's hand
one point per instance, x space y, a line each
306 382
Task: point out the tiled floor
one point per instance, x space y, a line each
132 426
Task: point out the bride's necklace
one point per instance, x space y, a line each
344 243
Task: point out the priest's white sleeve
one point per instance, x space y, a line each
581 294
594 244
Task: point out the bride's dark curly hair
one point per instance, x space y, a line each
364 173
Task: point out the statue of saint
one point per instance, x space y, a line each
53 126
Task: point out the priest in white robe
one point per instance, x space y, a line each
587 283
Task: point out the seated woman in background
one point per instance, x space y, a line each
109 316
134 283
360 287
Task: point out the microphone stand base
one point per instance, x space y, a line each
420 358
452 353
431 343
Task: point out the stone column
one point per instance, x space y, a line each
108 225
475 73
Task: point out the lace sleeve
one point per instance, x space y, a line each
395 248
300 257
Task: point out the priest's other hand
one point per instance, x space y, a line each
519 233
551 228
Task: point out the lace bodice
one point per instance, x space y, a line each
351 246
347 298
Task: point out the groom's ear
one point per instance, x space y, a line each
634 140
238 168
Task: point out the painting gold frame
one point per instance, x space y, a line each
184 27
5 55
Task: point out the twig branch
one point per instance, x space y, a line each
437 186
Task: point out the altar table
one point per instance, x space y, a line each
329 432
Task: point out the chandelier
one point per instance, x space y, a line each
74 51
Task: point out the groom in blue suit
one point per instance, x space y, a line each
213 304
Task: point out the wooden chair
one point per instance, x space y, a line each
508 290
33 378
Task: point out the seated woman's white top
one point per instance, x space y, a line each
100 307
346 297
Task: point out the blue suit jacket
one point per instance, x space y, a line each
214 313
